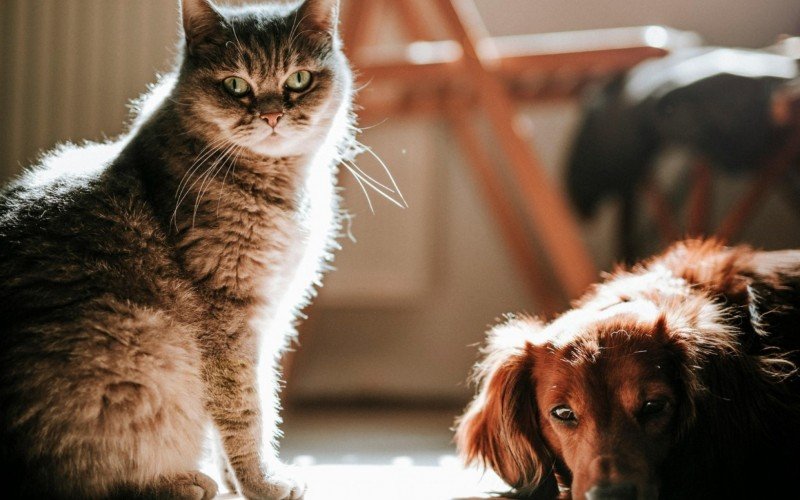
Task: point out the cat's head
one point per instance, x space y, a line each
271 78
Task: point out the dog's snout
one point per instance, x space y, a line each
620 491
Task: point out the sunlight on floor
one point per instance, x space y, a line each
394 482
391 454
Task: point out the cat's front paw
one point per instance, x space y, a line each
275 487
185 486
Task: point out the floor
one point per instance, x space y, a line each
380 454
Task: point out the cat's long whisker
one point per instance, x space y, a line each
232 159
212 171
304 31
188 173
296 24
238 42
179 200
370 127
184 190
363 86
208 176
375 188
364 189
360 171
385 168
179 102
236 156
349 230
294 27
204 155
201 157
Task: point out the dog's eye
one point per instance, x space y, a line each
563 413
653 407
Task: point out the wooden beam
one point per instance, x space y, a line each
512 228
594 52
543 200
359 24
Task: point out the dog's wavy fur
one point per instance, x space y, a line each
715 329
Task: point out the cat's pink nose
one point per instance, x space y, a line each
273 117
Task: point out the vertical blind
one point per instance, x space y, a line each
69 68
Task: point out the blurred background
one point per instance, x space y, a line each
415 289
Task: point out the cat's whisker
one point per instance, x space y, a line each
208 177
237 155
205 153
362 180
294 27
183 188
228 165
349 228
297 23
205 177
180 103
238 42
369 127
363 86
364 189
304 31
211 172
186 188
384 186
201 157
217 166
386 169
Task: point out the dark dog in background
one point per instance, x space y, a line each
674 379
729 108
717 102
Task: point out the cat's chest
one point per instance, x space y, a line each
255 248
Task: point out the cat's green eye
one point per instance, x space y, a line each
299 81
235 86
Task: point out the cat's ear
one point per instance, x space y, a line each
320 15
202 23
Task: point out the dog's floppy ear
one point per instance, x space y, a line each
500 427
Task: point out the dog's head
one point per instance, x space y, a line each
598 400
598 412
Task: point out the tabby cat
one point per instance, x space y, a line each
148 285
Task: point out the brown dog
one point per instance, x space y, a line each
676 379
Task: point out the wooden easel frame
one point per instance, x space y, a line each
481 81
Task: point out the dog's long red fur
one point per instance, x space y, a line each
674 379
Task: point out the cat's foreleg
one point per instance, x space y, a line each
214 462
235 405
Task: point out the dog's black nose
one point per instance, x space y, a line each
620 491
